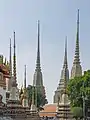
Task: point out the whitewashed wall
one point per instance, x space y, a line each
3 93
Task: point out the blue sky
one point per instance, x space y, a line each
57 20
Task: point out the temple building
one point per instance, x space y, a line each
4 76
15 106
13 109
76 70
50 110
60 87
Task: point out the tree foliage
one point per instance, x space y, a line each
77 112
78 87
41 97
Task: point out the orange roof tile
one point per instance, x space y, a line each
49 110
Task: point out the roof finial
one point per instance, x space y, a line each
25 78
65 65
10 61
76 57
38 49
14 60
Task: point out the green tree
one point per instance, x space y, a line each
77 87
41 97
29 91
77 112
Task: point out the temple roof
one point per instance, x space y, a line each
49 110
4 69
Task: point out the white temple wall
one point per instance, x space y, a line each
3 93
7 84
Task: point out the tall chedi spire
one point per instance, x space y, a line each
14 90
76 69
64 71
64 110
38 50
10 60
14 60
10 69
25 95
38 80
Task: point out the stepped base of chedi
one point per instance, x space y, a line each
64 110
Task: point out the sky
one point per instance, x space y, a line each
57 20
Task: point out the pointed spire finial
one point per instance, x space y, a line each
65 65
78 22
10 61
76 57
38 49
14 60
25 78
